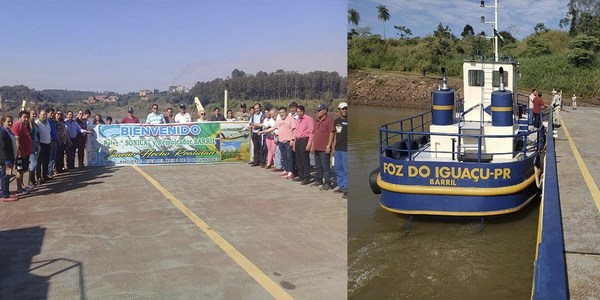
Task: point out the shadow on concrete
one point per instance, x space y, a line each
71 180
17 249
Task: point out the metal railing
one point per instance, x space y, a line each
550 271
407 137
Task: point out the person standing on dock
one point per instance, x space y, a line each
256 124
538 104
302 144
556 105
35 149
129 119
182 116
323 134
154 117
53 141
530 113
170 117
7 157
217 116
24 148
340 147
73 131
242 114
286 127
63 141
41 169
574 102
201 116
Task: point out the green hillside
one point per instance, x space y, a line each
549 59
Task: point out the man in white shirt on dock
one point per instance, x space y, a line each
155 117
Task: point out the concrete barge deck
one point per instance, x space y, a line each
578 159
224 231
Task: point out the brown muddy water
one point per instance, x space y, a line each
438 259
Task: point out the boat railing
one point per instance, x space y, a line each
404 139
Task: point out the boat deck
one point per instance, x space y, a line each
224 231
578 162
426 154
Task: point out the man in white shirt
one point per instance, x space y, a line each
182 116
44 154
155 117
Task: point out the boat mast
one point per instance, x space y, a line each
494 26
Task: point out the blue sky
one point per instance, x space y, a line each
423 16
128 45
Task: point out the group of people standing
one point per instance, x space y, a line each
37 143
155 117
283 139
537 104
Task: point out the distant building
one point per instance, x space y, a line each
177 89
101 99
144 94
156 91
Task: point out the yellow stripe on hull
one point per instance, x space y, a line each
459 214
458 191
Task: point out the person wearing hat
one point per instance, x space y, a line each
242 114
323 133
130 117
340 147
556 105
182 116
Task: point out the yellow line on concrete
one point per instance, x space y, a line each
273 288
589 180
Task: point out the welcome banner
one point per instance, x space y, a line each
140 144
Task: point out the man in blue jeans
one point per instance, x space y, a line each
340 143
323 132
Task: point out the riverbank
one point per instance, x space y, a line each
409 90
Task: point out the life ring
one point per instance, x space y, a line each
373 182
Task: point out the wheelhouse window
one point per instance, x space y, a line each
476 78
496 79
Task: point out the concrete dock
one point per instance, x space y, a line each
223 231
578 159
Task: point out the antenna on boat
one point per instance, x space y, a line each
494 26
501 79
444 80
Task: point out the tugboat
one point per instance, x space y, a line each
474 157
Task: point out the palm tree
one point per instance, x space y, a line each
353 17
383 15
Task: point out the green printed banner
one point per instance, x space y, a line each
141 144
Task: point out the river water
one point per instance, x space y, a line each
438 259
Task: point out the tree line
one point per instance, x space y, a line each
273 86
278 85
549 58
